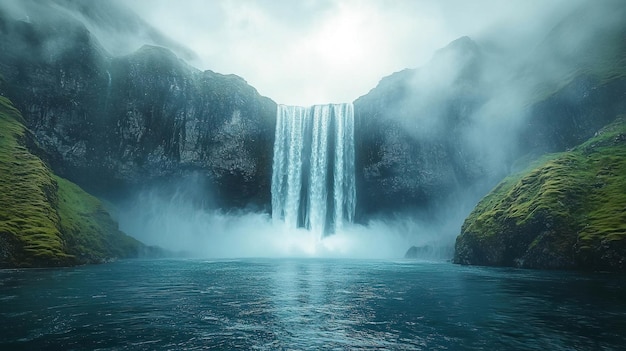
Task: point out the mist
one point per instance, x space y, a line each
173 221
304 52
313 52
493 78
119 30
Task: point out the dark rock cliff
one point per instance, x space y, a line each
410 133
116 123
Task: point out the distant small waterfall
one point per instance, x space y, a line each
313 182
106 101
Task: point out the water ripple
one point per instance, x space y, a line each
308 305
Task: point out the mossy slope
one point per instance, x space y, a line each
46 220
566 211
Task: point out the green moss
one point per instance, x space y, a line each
571 203
46 220
513 198
88 230
604 181
27 217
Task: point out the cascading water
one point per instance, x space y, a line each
313 182
106 100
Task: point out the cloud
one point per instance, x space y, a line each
306 52
312 51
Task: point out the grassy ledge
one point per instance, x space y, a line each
46 220
567 210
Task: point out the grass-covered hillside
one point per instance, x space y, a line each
566 211
46 220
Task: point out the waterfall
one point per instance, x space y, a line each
313 184
106 100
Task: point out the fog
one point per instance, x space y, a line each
495 76
305 52
316 52
119 30
174 221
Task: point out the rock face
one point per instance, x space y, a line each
584 79
46 220
565 212
455 127
114 123
410 132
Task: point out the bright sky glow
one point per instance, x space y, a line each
320 51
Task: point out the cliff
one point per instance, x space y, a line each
445 133
410 133
113 124
567 211
46 220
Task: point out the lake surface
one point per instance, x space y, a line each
308 304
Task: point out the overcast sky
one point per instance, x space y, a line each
320 51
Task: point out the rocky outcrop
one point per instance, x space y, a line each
114 123
565 212
429 252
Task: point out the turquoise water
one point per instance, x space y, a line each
308 304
